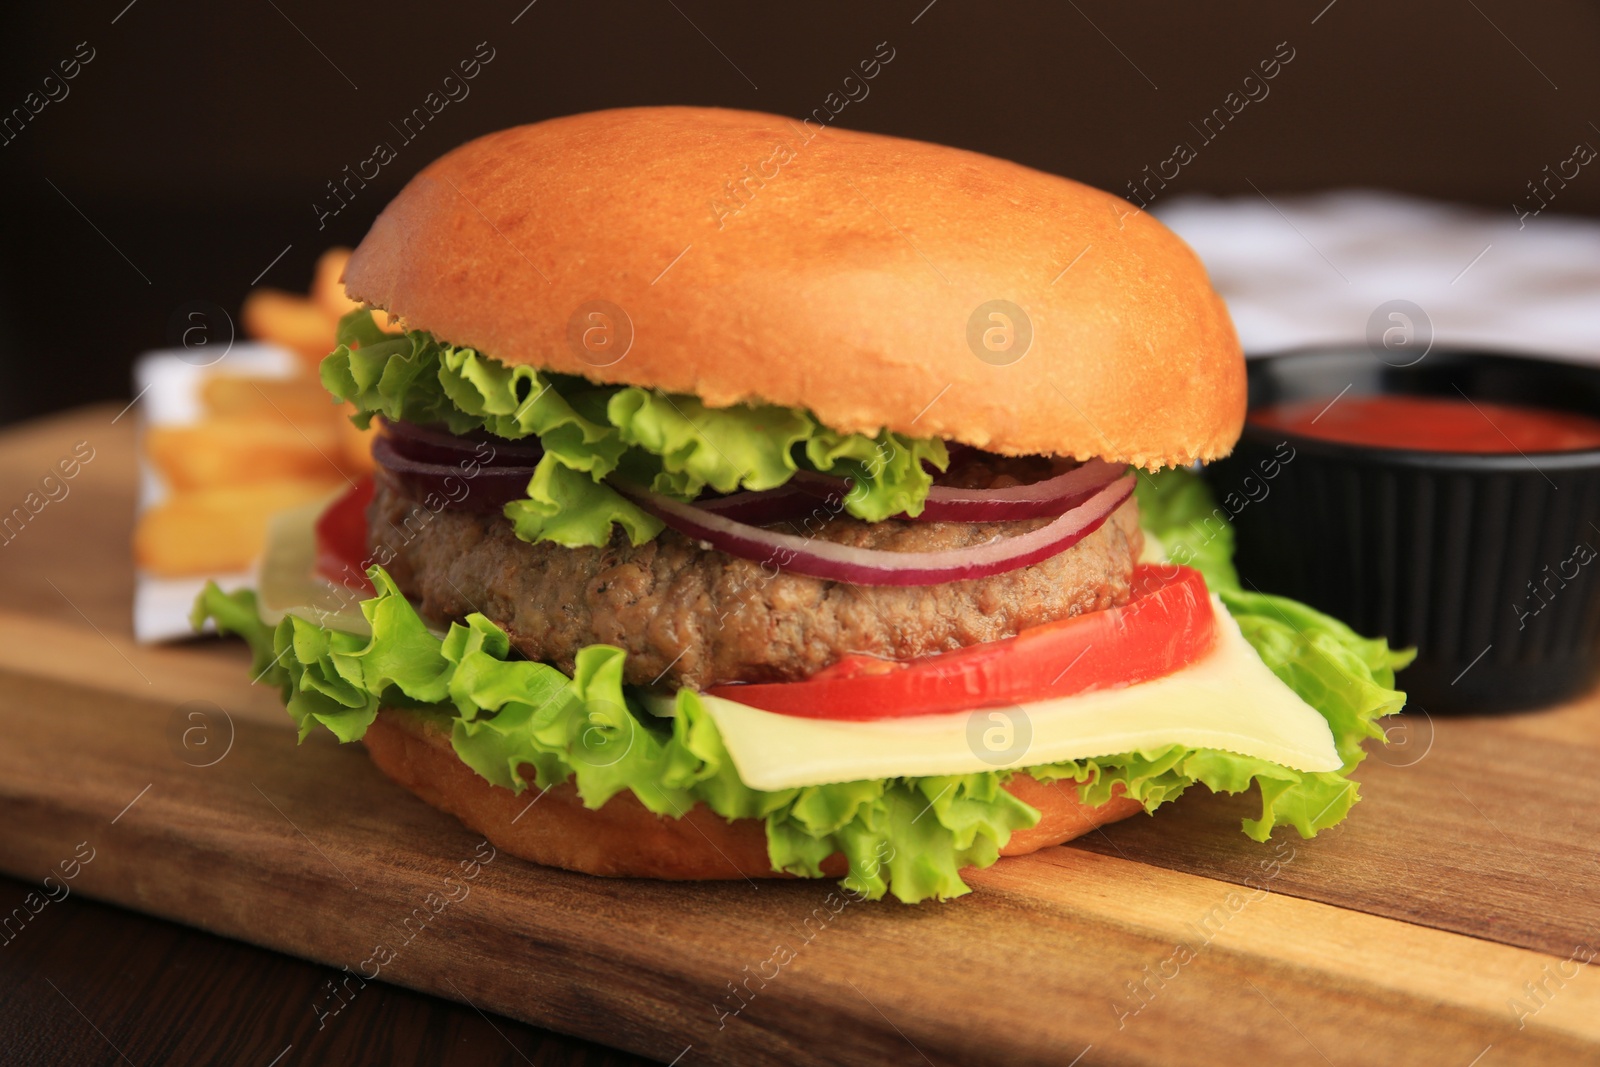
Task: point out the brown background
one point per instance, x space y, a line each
200 135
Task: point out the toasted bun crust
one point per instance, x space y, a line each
748 257
623 838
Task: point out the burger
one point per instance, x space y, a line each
852 533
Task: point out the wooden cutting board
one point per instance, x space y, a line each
1449 921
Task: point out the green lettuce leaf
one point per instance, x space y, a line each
521 724
675 444
725 449
1176 507
513 720
886 472
1348 678
566 506
414 378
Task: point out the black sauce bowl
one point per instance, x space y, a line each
1485 562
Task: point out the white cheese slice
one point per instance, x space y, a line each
287 583
1229 700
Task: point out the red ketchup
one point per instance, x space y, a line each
1433 424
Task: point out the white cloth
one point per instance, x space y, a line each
1307 270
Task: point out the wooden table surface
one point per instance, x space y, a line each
87 983
1449 921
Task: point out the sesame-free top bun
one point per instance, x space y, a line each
749 257
623 838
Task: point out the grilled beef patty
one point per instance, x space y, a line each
693 616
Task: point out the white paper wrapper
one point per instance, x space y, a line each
168 387
1307 270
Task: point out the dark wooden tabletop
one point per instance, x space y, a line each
86 983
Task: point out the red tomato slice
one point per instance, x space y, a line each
342 538
1166 625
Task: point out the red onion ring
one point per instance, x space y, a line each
1036 500
862 566
428 460
761 507
488 488
428 445
1031 501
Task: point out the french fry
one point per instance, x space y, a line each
292 321
300 400
246 451
327 291
216 531
264 446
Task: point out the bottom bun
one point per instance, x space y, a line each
622 838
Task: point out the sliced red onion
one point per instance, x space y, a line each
1032 501
865 566
429 445
1036 500
468 484
762 506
